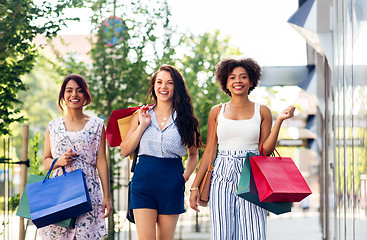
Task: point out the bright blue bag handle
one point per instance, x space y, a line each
49 171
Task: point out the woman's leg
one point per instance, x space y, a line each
145 221
166 226
222 213
250 221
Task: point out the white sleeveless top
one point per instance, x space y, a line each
239 135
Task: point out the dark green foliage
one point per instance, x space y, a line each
20 22
34 162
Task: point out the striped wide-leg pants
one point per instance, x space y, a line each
232 217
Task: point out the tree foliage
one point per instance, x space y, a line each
120 74
20 22
198 67
39 101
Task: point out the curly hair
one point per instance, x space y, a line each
225 67
186 121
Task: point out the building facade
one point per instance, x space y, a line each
336 36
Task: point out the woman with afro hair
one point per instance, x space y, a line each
243 126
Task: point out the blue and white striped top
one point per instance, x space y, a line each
164 143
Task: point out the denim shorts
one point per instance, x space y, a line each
158 184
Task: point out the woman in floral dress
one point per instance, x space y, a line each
78 141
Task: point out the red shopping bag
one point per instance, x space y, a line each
278 179
118 125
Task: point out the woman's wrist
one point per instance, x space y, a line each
279 121
56 165
194 189
106 197
186 176
141 129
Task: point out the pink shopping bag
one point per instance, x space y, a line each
278 179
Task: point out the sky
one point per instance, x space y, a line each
258 27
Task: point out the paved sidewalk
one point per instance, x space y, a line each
290 226
295 226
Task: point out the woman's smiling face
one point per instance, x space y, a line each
164 86
238 81
74 95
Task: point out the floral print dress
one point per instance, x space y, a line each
86 143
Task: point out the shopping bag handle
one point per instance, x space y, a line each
52 166
263 152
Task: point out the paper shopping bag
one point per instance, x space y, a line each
56 199
247 190
115 133
23 208
278 179
118 125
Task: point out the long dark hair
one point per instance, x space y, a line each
186 121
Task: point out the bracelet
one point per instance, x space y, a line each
193 189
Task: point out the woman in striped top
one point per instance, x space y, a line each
242 126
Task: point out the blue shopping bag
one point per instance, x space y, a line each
23 208
247 190
56 199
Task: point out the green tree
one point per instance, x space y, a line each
120 73
20 22
198 67
39 101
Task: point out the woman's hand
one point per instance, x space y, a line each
194 199
287 113
66 158
144 116
106 207
185 177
